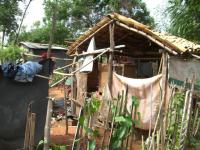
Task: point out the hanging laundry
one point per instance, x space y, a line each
22 73
9 70
89 67
27 71
148 91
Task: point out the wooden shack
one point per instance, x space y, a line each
139 58
58 53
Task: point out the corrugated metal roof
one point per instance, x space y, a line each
41 46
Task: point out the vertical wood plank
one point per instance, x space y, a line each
32 131
48 125
110 61
27 130
65 107
73 87
164 88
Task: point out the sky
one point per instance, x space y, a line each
36 11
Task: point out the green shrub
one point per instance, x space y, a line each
11 53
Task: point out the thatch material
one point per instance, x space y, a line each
183 44
176 44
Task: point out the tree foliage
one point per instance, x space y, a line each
185 20
9 10
11 53
83 14
75 17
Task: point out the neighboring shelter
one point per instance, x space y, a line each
140 58
56 51
16 98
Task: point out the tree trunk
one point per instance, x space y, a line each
17 35
52 32
3 37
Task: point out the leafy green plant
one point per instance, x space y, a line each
91 107
175 118
52 146
123 125
11 53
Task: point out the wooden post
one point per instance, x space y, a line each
32 132
164 88
110 61
27 133
65 107
48 125
73 87
53 28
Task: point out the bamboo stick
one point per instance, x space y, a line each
47 125
79 69
63 74
132 128
142 142
66 66
98 51
90 36
153 141
188 114
43 77
113 121
158 140
157 119
160 66
197 128
77 130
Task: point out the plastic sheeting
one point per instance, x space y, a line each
14 100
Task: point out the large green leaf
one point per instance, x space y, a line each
92 145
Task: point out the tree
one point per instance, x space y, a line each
135 9
83 14
9 10
185 20
17 35
75 17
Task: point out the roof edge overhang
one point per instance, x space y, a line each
128 24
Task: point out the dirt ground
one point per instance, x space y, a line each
56 92
58 134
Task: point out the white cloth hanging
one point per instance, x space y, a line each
87 59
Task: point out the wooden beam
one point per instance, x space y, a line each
147 36
71 74
91 35
110 61
98 51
